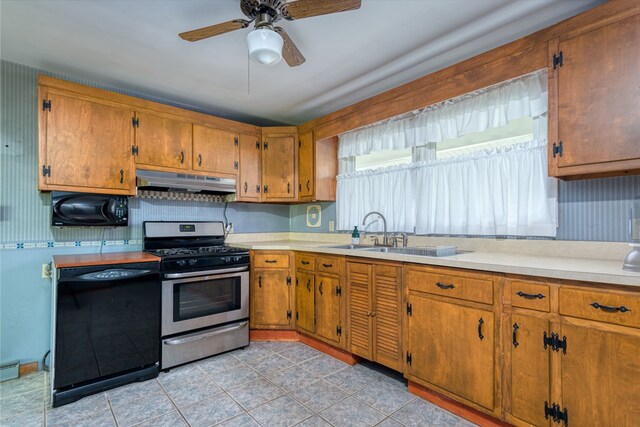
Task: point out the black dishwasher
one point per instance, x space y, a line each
107 328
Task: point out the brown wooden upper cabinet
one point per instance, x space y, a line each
215 151
279 164
594 99
249 187
85 144
317 168
162 142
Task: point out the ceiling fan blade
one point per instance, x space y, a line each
307 8
290 51
214 30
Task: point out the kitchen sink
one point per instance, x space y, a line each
433 251
350 247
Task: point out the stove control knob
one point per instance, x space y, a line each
236 258
226 259
181 262
193 261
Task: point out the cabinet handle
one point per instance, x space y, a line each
529 296
320 289
515 334
121 176
182 156
288 187
309 285
308 186
246 187
200 161
271 261
259 281
444 286
373 314
480 323
304 262
609 309
327 265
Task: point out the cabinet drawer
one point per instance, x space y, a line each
328 264
305 262
463 287
534 296
620 308
270 261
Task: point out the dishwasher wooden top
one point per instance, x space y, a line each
62 261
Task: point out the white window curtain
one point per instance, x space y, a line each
495 192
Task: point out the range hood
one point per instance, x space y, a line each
170 181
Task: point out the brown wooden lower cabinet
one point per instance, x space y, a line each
272 298
375 312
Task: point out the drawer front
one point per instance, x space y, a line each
330 265
449 285
305 262
620 308
534 296
270 261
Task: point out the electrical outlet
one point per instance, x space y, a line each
230 228
332 226
46 271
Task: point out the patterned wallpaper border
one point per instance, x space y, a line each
76 244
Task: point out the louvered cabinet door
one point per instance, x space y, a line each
328 308
387 316
359 278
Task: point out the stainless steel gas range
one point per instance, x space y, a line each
205 290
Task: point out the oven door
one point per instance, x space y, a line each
199 300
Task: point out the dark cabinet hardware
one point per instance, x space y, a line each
235 140
445 286
557 149
271 261
558 60
296 314
288 187
257 145
554 342
548 340
288 314
46 170
339 330
327 265
235 164
258 189
609 309
182 157
266 145
121 176
134 150
296 281
480 323
46 104
266 189
320 288
562 344
409 309
339 291
135 122
556 414
409 358
288 280
246 187
199 159
304 262
529 296
299 187
259 281
309 285
515 335
308 185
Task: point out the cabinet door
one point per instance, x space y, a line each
270 299
215 151
328 308
279 167
87 145
528 372
359 278
452 346
305 301
601 375
249 152
306 167
598 100
163 142
387 315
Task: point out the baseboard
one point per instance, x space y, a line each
273 335
457 408
28 368
332 351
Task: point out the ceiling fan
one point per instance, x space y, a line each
269 44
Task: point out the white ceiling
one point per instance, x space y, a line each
351 56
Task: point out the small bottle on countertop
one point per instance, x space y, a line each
355 236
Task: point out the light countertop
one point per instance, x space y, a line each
582 269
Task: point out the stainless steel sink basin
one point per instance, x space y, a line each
350 246
432 251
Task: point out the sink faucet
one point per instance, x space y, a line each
384 224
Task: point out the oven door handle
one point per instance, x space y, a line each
178 341
205 273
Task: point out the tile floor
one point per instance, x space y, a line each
268 384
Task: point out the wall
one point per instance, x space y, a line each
27 241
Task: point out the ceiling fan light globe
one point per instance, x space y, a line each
265 46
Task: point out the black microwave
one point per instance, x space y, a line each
88 210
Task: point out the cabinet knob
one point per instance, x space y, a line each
246 187
121 176
199 159
182 156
